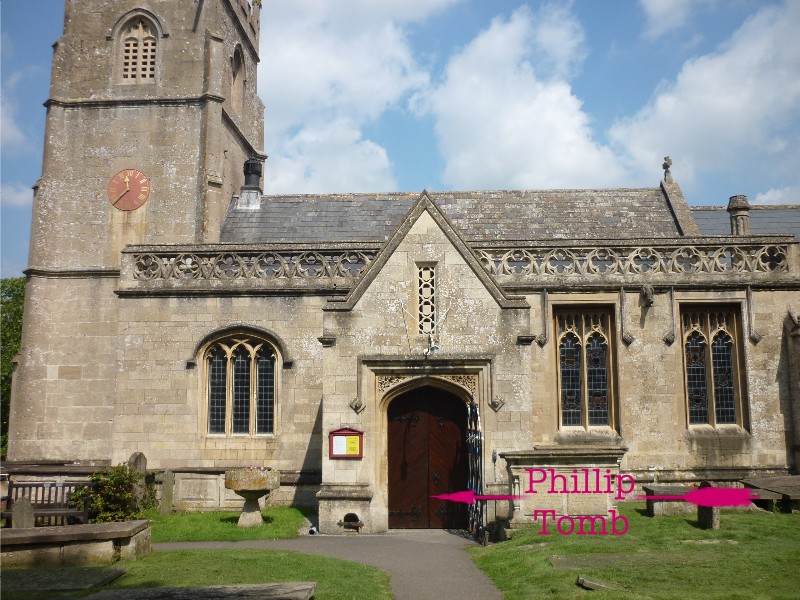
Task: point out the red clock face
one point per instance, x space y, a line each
128 189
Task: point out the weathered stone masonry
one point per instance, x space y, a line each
123 307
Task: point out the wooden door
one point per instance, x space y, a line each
427 456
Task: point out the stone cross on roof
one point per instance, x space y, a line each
667 164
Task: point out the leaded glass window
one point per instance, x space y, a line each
722 360
597 379
696 378
217 384
711 369
570 380
265 400
584 367
241 386
241 390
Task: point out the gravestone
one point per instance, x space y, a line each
167 492
22 514
138 464
708 516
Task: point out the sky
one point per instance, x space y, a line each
405 95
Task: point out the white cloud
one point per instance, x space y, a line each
728 110
331 158
12 137
785 195
559 43
666 15
332 63
16 194
500 124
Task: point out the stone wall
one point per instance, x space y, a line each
379 352
63 401
161 406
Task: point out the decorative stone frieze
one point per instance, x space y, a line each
389 381
467 381
635 260
257 265
233 268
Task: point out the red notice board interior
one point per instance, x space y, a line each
346 443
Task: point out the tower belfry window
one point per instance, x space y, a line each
238 80
138 53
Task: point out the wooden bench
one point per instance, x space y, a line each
50 502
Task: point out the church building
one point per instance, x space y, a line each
376 349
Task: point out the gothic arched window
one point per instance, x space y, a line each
584 367
712 369
138 48
238 80
241 386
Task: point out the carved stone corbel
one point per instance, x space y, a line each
496 403
755 337
669 337
357 405
794 329
646 296
626 337
541 339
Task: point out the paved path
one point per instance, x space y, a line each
424 564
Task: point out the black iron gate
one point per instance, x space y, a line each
475 482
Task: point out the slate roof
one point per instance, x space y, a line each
775 219
480 217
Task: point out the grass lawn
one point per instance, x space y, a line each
280 522
752 555
336 579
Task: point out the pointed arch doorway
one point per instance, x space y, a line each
427 455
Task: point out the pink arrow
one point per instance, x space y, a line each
711 496
469 496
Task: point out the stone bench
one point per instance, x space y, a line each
75 545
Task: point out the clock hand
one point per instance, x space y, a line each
125 191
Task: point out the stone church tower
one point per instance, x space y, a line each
152 112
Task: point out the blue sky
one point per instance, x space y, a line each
474 94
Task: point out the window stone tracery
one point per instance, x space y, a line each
711 365
426 281
584 367
241 386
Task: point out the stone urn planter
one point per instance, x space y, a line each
251 483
